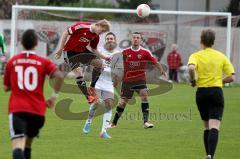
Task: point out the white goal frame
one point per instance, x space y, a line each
15 8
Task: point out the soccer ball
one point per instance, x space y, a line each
143 10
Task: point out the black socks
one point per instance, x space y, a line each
145 111
119 111
82 86
18 154
27 153
212 141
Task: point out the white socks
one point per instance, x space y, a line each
106 119
106 116
92 110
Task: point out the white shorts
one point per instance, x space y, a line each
103 94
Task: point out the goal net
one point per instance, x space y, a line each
160 30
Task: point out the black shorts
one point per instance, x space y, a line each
210 102
25 124
75 59
128 89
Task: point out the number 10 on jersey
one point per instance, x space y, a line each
23 77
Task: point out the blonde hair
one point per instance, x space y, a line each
104 24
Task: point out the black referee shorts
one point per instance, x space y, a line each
128 89
75 59
25 124
210 102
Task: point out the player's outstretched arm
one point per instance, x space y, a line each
115 80
159 67
99 54
63 40
58 76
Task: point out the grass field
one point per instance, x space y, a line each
177 133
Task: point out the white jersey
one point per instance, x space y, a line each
105 80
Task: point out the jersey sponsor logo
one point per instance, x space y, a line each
82 39
108 63
134 64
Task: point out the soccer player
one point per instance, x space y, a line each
79 42
104 88
2 53
2 45
209 65
24 77
135 59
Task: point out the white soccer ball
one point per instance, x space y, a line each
143 10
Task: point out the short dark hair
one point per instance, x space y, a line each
208 37
29 39
111 33
137 33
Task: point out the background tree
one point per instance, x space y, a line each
234 8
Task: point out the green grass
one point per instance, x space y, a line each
177 133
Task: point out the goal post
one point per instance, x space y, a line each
17 8
159 30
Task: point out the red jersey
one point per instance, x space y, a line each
25 75
135 62
81 36
174 60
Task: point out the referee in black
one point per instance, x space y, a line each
206 68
